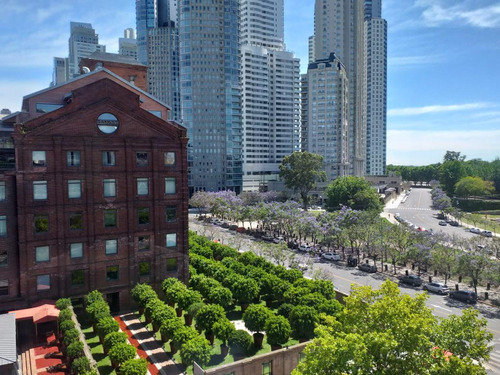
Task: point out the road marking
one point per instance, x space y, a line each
442 308
494 355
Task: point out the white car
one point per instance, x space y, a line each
278 239
304 248
437 288
331 256
475 230
486 233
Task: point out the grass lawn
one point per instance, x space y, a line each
489 223
103 361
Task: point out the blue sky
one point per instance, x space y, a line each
443 64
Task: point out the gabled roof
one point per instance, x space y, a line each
96 71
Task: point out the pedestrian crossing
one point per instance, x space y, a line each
414 208
494 363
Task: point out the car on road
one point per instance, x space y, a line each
305 248
486 233
464 296
267 238
475 230
421 229
443 223
411 280
367 268
454 223
331 256
437 288
278 239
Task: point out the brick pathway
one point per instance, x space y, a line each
149 346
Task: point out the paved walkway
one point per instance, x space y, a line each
149 345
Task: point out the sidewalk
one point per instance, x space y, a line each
159 362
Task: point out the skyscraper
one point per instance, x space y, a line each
270 93
211 94
127 46
146 14
375 87
83 41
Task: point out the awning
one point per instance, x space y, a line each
39 314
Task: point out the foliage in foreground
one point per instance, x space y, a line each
383 331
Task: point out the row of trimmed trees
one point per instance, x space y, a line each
114 341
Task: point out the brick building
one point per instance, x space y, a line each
98 198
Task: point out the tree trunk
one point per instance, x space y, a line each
224 349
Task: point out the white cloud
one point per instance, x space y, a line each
412 111
466 12
414 60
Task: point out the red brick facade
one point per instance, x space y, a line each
61 202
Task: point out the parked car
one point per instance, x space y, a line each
464 296
421 229
331 256
278 239
367 268
454 223
267 238
475 230
411 280
443 223
304 248
437 288
486 233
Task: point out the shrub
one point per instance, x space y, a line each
194 308
303 320
325 287
136 366
312 300
197 349
247 258
66 325
255 317
173 292
169 326
240 342
222 251
208 315
121 353
168 283
80 366
331 307
75 349
245 290
278 330
64 315
294 294
63 303
160 315
142 294
153 306
97 310
107 325
206 284
113 338
223 329
70 336
220 296
183 335
284 309
187 298
93 296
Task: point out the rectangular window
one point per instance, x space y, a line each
41 223
108 158
144 268
112 273
2 190
169 158
171 214
74 189
143 243
39 158
43 283
171 240
3 225
142 186
42 254
76 250
4 258
170 185
143 215
73 158
111 247
267 368
110 218
77 278
76 221
4 287
171 264
141 159
39 190
109 186
46 107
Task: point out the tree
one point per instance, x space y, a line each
196 350
183 335
240 342
120 353
75 349
187 298
469 186
208 315
450 173
113 338
106 325
255 318
63 303
80 366
354 192
399 335
223 329
220 296
277 329
136 366
453 156
245 290
474 264
142 294
303 320
168 328
301 171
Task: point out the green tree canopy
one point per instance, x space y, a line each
301 171
354 192
469 186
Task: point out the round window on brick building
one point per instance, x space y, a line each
107 123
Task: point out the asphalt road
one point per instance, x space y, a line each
417 211
342 276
